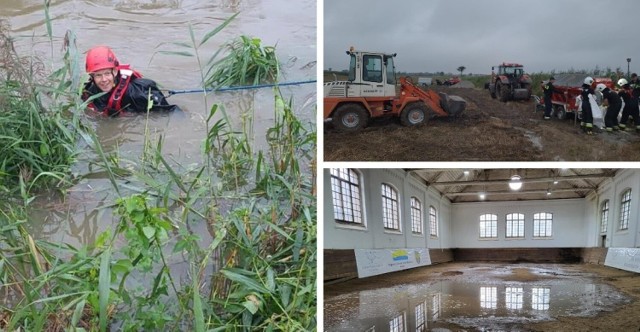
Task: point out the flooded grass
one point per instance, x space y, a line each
255 268
37 138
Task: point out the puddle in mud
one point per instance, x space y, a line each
532 137
477 299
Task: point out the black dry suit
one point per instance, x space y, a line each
630 107
548 90
615 104
587 114
130 94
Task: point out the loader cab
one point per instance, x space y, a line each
371 75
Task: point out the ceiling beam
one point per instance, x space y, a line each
520 192
523 180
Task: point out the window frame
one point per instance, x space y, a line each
398 323
417 222
421 316
520 229
493 227
548 225
625 210
360 192
434 229
604 216
395 205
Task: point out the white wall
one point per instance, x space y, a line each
576 222
373 235
612 191
568 224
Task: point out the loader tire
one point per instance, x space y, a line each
350 118
413 115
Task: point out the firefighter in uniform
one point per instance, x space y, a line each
587 114
614 102
548 90
631 107
124 89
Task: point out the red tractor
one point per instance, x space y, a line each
510 82
370 92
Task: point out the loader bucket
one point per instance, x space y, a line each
454 105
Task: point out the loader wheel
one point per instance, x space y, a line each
504 92
413 115
493 92
350 117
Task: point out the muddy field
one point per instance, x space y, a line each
488 130
614 307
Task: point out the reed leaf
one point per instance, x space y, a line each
104 286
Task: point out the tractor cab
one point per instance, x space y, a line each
371 74
511 70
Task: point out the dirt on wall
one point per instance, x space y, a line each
488 130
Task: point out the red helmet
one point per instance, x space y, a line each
100 57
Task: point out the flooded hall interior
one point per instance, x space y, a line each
481 249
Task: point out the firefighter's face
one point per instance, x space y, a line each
104 79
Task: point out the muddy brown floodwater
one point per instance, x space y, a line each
487 297
137 30
488 130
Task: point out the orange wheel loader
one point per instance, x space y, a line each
371 92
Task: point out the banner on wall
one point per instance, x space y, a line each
372 262
624 259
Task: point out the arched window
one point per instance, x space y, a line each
543 224
515 225
346 192
416 216
604 216
390 208
433 222
488 226
625 205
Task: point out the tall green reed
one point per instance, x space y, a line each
256 272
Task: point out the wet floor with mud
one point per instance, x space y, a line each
473 297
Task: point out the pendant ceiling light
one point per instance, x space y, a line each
515 183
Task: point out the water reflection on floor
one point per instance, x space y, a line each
473 302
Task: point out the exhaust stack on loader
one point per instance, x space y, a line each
370 92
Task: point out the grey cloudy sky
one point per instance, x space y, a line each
441 35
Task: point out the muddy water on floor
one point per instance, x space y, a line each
480 299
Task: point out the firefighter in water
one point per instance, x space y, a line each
614 102
631 107
548 89
125 89
587 114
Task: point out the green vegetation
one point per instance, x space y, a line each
257 270
37 135
247 62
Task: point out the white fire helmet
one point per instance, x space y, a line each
600 87
588 80
622 82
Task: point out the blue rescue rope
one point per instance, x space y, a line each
233 88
